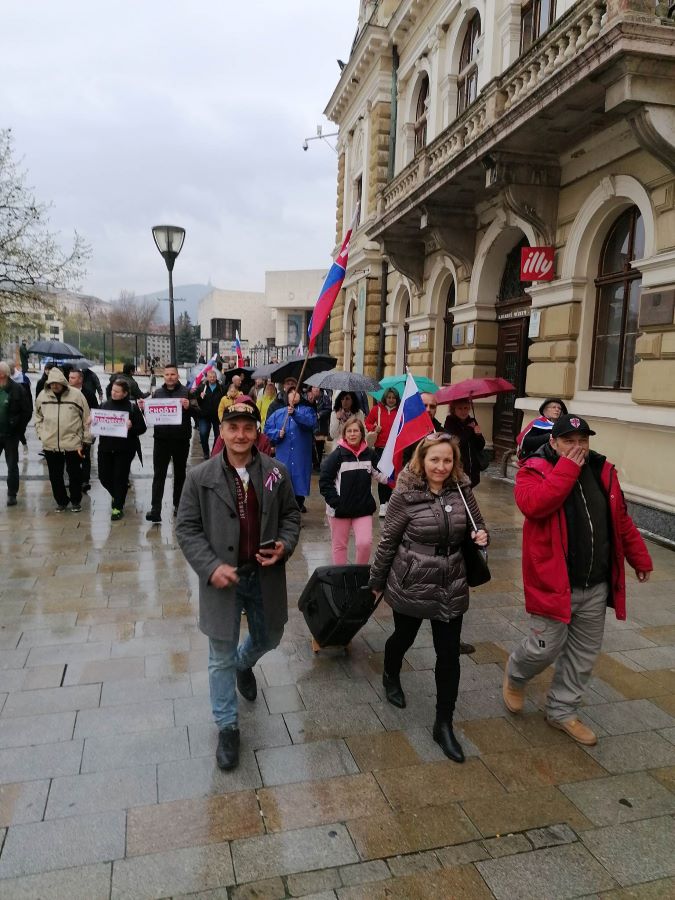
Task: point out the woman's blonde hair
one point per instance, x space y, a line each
353 420
416 464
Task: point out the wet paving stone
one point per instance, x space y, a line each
431 784
386 750
541 766
391 833
621 798
635 852
177 871
519 812
81 883
305 762
460 881
77 795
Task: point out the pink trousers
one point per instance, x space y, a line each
363 536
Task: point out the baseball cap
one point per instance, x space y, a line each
569 424
241 410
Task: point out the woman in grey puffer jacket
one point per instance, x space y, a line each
419 566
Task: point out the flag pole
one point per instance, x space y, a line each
302 372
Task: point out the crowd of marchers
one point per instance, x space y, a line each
238 520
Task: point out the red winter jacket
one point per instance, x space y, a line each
384 417
541 491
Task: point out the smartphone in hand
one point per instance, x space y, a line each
268 545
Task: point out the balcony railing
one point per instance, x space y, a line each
547 57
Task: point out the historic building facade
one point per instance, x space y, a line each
471 130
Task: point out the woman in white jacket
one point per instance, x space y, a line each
346 407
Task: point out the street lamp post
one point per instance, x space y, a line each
169 240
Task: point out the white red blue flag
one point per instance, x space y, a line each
331 288
236 346
411 424
202 375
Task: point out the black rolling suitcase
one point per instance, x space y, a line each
336 603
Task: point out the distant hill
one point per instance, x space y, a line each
190 293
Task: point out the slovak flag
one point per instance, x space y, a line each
411 424
236 346
331 288
202 375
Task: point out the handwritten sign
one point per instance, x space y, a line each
163 412
109 423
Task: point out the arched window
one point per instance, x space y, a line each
467 79
619 286
448 322
511 287
421 115
406 329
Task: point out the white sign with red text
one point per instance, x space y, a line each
109 423
163 412
536 264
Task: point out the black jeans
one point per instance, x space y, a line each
164 452
113 472
73 464
446 644
85 464
10 445
384 492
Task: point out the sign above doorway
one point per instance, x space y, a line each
536 263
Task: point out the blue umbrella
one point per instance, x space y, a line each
398 383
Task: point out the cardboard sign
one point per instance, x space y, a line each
109 423
536 264
163 412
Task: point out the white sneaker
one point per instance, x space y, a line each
383 510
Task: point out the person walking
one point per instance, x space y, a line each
15 414
208 397
171 444
291 431
262 442
266 397
76 380
379 420
23 356
238 523
128 374
346 406
228 398
345 485
19 378
576 535
537 433
115 454
62 425
462 425
281 400
419 568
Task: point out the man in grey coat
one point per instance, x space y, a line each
237 524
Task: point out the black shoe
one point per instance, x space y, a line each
246 684
393 690
11 499
227 753
86 487
153 516
466 648
446 740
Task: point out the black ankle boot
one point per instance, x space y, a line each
445 738
227 752
393 690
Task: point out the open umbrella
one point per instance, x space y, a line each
473 389
55 349
397 382
335 380
291 368
244 372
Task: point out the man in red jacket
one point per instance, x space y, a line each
576 535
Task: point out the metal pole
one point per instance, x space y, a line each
172 323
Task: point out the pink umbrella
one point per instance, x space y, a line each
473 389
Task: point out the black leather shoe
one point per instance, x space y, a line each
393 690
153 516
227 754
466 648
446 740
246 684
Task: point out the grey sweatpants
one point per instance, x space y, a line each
574 649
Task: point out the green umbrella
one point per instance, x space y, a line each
398 383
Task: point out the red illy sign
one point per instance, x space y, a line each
536 264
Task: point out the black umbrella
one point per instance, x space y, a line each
55 349
336 380
244 372
292 368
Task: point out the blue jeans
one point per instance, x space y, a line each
225 657
205 426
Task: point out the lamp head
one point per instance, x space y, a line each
305 145
169 240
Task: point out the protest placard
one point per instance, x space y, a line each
109 423
163 412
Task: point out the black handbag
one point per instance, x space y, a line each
483 460
475 557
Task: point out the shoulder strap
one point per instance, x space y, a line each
468 511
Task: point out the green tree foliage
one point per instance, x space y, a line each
187 337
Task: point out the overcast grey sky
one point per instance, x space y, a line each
140 112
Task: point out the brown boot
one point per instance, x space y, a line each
514 697
579 732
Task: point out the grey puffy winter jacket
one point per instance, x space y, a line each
415 582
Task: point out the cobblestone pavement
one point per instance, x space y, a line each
108 786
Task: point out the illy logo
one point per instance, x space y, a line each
536 264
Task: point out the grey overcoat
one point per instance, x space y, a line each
207 530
